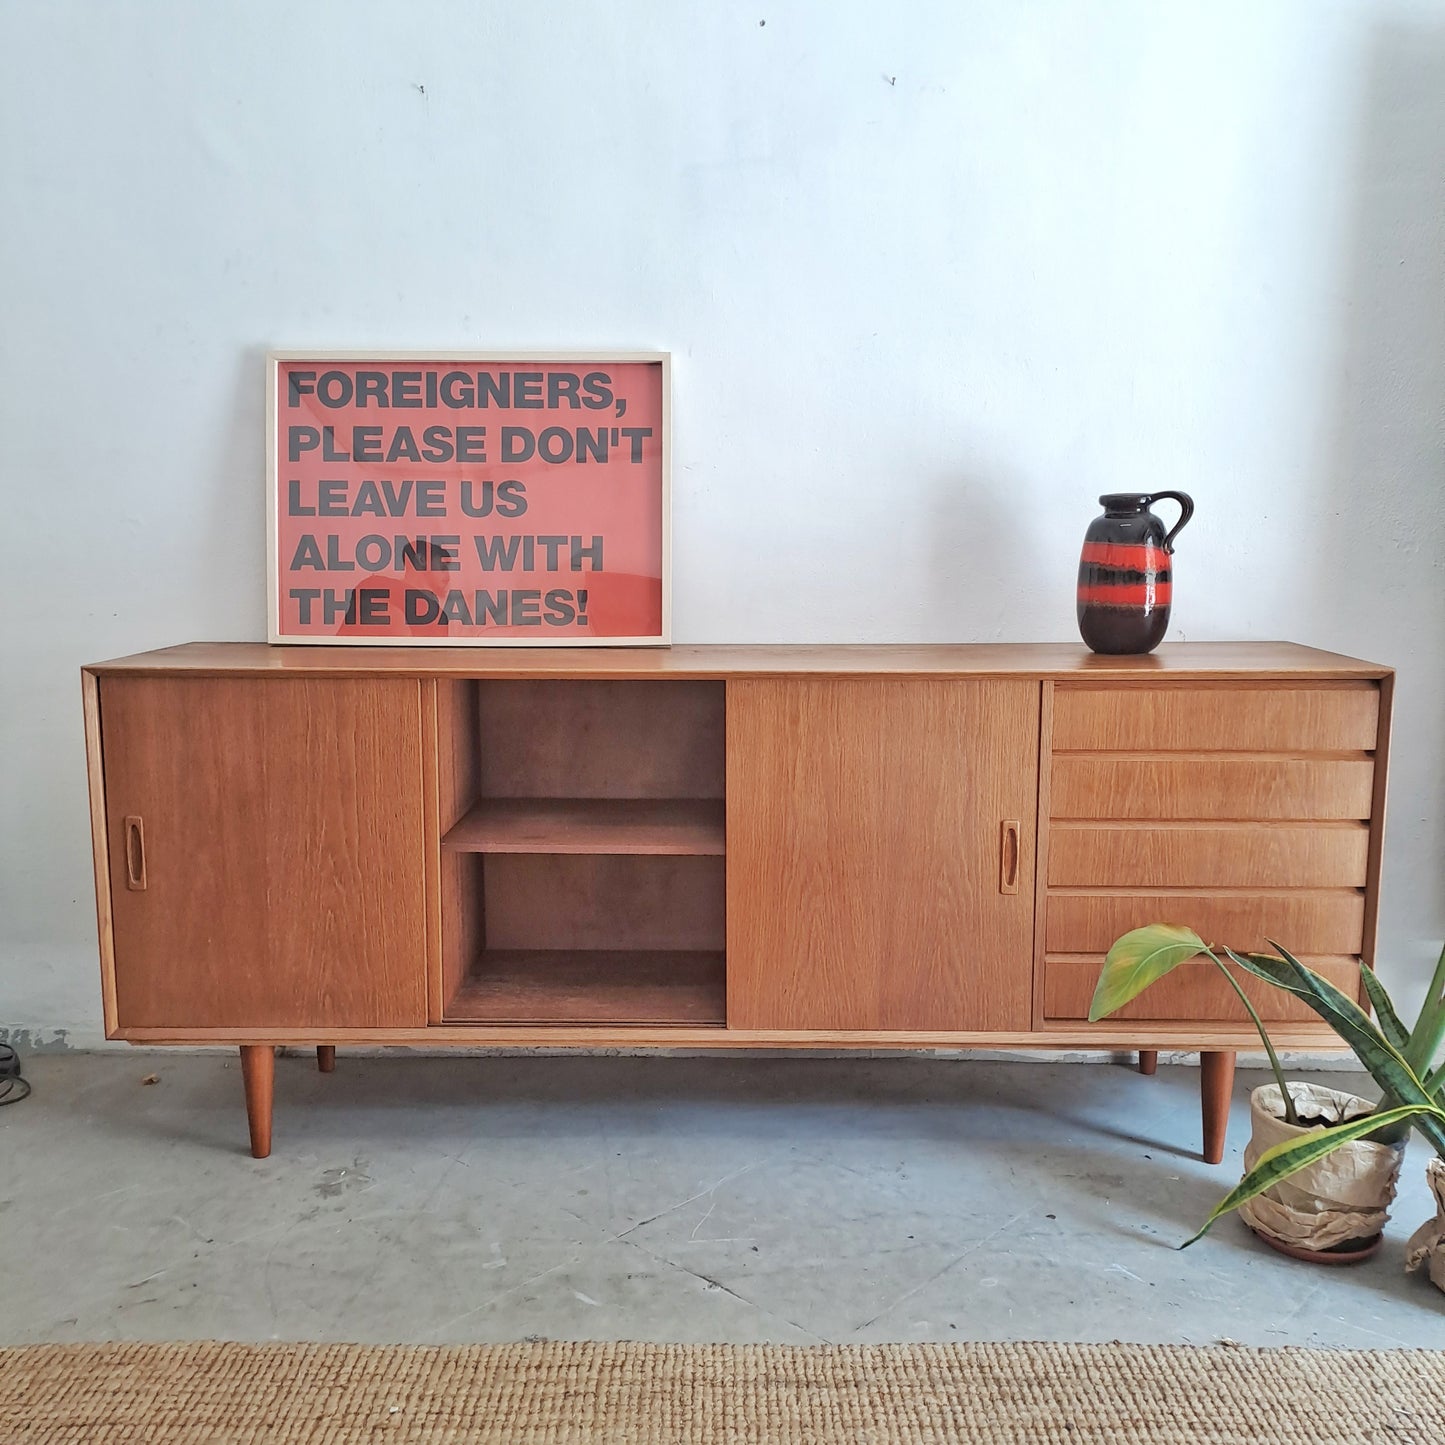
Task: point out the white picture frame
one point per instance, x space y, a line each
285 492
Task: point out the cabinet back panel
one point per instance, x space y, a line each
283 846
567 739
580 901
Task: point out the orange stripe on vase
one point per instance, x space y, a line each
1126 594
1134 556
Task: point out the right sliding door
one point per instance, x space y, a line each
880 853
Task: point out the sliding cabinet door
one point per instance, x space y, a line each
880 853
266 852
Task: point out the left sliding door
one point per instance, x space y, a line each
266 852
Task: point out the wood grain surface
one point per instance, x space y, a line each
459 749
431 805
458 905
1210 786
293 803
464 923
1303 920
1193 991
1062 1034
587 988
1209 855
1215 660
258 1078
1247 810
284 851
564 739
1377 822
591 825
561 901
99 847
1254 717
863 853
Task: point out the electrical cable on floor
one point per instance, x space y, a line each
12 1087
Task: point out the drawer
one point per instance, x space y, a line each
1305 922
1193 993
1216 718
1194 786
1208 855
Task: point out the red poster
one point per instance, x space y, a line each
444 498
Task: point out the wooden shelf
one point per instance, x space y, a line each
604 986
692 826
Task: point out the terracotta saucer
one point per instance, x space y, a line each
1352 1251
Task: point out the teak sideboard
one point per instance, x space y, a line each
829 847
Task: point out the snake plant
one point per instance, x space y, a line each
1401 1060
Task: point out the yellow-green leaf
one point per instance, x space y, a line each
1137 959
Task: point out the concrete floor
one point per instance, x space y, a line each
790 1199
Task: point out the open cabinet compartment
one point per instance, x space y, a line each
582 851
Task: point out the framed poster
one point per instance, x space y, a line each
479 498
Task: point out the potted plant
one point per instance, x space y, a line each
1307 1186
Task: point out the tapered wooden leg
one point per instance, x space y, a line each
1148 1060
1216 1084
258 1072
326 1057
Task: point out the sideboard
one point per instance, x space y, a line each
697 847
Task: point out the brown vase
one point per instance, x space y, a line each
1126 575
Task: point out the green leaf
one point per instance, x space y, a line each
1390 1024
1137 960
1426 1058
1355 1026
1429 1031
1278 1163
1271 970
1386 1064
1338 1009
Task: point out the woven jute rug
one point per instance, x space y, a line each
650 1394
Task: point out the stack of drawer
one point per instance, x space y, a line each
1242 810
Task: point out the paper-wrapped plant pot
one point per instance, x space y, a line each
1426 1249
1335 1207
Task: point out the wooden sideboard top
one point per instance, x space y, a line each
1182 660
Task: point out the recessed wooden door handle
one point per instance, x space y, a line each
135 854
1008 856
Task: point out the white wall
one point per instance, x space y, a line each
934 274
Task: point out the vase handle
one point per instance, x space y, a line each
1186 511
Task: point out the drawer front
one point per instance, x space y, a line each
1193 991
1318 922
1339 717
1208 855
1242 810
1094 785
